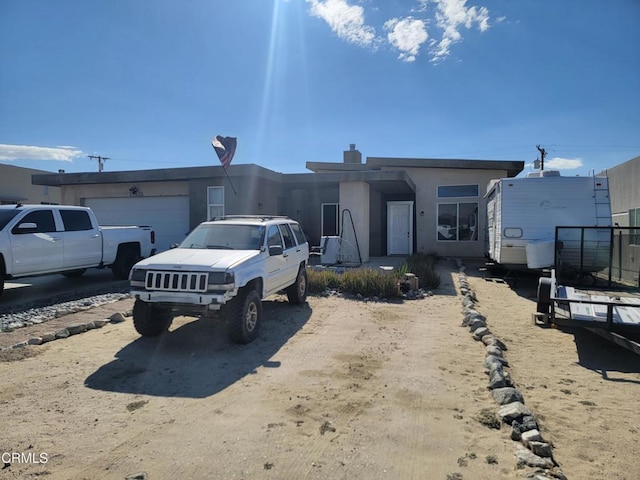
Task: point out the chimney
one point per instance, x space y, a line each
352 155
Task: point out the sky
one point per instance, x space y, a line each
148 84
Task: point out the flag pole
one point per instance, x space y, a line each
230 183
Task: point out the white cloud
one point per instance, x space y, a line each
347 21
407 35
451 16
558 163
26 152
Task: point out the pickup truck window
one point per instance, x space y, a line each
42 218
76 220
6 216
225 236
287 236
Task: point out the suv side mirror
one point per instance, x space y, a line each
275 250
27 227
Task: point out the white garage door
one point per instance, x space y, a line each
169 216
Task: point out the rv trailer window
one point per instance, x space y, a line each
512 233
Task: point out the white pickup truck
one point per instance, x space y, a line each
45 239
230 263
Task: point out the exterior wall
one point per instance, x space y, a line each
624 192
75 194
15 185
304 205
354 196
427 181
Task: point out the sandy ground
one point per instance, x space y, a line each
335 389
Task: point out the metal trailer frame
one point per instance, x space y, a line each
554 308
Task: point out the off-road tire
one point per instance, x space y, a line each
149 320
2 273
127 258
297 293
244 316
74 273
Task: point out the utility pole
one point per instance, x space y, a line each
100 159
543 153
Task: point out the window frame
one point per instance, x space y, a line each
214 205
457 195
337 226
457 225
74 227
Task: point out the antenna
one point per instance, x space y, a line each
100 159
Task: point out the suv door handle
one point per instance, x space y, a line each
55 239
95 236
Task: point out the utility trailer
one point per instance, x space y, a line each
612 315
523 213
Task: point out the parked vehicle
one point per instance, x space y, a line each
231 263
45 239
523 213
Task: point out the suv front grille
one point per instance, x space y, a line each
177 281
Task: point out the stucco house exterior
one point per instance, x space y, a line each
383 206
16 187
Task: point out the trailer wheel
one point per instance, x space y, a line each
544 296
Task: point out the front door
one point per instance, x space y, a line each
399 228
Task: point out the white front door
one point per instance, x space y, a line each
399 228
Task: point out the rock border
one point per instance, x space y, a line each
69 330
532 450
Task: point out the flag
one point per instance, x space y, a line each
225 147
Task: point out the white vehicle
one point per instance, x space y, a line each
45 239
523 213
231 263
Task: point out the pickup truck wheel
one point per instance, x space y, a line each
244 317
297 293
150 321
127 258
74 273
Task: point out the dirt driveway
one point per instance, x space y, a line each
336 389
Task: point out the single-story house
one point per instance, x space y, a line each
16 187
384 206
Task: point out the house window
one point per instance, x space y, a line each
329 219
215 202
634 221
449 191
457 222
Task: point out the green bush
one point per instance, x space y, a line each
423 266
365 281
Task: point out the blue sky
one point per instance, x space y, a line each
150 83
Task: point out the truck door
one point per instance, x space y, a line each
82 240
292 254
36 244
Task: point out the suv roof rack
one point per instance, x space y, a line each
256 217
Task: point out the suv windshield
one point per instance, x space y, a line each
225 236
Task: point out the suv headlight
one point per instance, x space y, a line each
138 275
221 278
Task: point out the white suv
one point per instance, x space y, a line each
232 262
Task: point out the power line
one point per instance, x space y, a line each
100 159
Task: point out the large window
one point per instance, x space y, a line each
215 202
458 222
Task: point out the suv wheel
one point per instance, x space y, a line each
297 293
150 321
245 317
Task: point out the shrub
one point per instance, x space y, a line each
319 280
423 266
368 283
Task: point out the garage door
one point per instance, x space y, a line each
169 216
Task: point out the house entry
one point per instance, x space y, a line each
399 228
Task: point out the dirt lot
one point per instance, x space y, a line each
337 389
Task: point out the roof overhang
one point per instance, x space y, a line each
512 167
392 181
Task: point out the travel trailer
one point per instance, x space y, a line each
523 213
